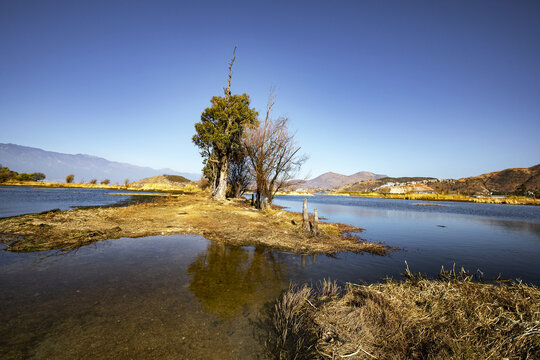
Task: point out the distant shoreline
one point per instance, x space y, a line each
147 187
508 200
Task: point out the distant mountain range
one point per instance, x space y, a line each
508 181
331 180
56 166
519 181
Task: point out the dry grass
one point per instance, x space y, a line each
510 200
232 222
286 328
450 318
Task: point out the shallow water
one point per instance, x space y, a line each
183 296
157 297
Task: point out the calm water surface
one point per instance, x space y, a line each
187 297
496 239
17 200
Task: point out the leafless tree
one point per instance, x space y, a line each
273 154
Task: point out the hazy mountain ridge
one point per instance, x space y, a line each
85 167
331 180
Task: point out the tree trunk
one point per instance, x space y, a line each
305 216
315 228
221 189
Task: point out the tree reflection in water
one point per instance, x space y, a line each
229 280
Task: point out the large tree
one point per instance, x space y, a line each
273 154
219 134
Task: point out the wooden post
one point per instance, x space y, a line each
315 228
305 217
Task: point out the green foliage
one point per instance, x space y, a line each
219 133
38 176
24 177
7 174
222 125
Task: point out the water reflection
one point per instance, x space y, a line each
229 280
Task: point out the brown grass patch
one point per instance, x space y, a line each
450 318
232 222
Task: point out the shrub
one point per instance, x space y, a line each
24 177
93 181
106 182
126 182
203 183
38 176
6 174
70 178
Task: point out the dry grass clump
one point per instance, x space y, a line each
453 317
287 326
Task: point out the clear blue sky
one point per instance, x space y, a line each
404 88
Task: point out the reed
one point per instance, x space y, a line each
452 317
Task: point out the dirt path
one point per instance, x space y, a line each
232 222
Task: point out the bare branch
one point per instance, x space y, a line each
273 155
228 91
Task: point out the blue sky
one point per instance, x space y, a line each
404 88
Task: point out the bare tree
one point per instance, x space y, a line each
273 154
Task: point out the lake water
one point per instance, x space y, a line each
17 200
494 238
183 296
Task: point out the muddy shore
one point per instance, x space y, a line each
233 222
